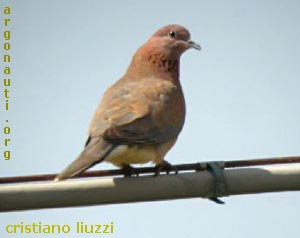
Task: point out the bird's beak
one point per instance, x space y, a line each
194 45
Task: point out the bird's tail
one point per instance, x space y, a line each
95 152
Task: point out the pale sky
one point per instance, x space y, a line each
242 96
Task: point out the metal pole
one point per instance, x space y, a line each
72 193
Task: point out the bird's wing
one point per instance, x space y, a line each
140 112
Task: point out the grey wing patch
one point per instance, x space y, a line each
140 131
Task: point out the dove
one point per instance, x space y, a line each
140 116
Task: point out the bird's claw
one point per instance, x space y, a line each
128 171
164 165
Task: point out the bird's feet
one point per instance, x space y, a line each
128 170
164 165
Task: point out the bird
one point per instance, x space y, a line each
140 117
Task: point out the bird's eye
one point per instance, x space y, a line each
172 34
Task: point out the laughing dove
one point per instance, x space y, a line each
139 117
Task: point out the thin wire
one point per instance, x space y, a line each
149 170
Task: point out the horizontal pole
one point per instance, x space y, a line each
87 192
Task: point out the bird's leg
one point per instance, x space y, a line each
164 165
128 170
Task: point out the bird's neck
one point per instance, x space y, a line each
153 62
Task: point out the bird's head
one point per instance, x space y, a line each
173 38
160 55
